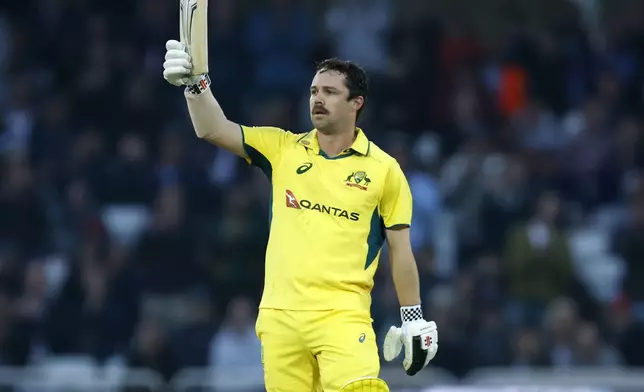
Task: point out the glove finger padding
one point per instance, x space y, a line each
393 344
173 75
174 44
415 357
432 348
175 63
420 346
177 54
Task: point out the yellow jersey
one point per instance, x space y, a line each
327 217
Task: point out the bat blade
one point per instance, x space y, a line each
193 30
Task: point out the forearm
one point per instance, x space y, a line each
210 122
207 116
405 276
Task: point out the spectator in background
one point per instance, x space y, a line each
97 308
234 234
281 36
125 187
129 178
628 242
51 139
537 263
625 161
488 291
561 322
140 110
423 183
122 304
150 350
358 29
236 344
590 350
74 322
191 342
529 350
23 224
156 20
30 308
548 76
442 304
16 333
492 349
88 156
462 187
587 156
5 54
539 128
227 73
625 333
168 249
503 202
19 119
79 219
172 169
414 43
628 154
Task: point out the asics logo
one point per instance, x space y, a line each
304 168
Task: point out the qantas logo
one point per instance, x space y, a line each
292 202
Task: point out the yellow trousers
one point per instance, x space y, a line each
316 350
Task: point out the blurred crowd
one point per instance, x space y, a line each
125 238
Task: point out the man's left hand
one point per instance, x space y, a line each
417 336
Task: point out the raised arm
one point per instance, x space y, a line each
210 122
208 118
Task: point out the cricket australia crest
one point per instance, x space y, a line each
358 179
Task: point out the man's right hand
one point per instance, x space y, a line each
177 65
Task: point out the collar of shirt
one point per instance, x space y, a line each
361 144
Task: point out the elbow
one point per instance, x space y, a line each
211 132
211 136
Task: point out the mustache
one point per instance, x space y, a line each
319 109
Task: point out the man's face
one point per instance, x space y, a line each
329 103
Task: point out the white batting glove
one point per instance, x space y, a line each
417 336
177 65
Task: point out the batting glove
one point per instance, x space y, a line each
417 336
177 65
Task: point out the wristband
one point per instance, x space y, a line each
200 85
411 313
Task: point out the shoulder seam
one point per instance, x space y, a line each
381 156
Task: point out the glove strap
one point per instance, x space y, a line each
200 86
411 313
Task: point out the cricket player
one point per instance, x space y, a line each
336 197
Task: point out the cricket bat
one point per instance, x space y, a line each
193 26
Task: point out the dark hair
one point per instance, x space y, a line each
356 78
